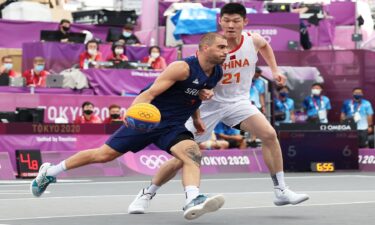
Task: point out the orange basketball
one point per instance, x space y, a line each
143 116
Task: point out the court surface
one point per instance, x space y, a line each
337 198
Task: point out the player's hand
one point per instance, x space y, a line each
369 129
206 94
199 126
279 78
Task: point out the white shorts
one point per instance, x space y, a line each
213 112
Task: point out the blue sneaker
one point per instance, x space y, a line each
202 204
41 182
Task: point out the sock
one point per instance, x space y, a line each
191 192
56 169
278 180
152 188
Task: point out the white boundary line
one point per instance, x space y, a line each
180 211
178 194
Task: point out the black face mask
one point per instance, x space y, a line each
66 29
115 116
88 112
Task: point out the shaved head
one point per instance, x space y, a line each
208 39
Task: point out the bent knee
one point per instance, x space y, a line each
269 135
188 153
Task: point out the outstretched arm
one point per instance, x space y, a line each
176 71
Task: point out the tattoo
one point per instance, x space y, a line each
194 153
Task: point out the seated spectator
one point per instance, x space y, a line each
114 115
257 91
64 28
6 67
88 116
359 111
128 36
214 143
154 59
117 53
231 135
317 105
284 107
37 76
89 57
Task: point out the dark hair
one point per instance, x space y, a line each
64 21
233 8
87 103
317 84
92 41
116 44
128 26
258 70
209 38
279 88
114 106
5 57
357 88
152 47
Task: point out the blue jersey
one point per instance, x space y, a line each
315 104
286 106
181 100
362 107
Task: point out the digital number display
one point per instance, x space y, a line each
322 166
28 163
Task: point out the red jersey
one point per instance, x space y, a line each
86 56
158 64
33 79
113 58
83 120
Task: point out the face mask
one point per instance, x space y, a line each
316 92
39 68
8 66
126 34
88 112
283 94
115 116
66 29
92 52
119 51
155 55
357 97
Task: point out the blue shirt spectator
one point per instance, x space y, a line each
231 135
221 128
317 105
257 89
284 106
362 107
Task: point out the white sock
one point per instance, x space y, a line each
191 192
152 189
278 180
56 169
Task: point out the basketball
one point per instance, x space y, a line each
143 116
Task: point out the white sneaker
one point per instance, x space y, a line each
141 203
41 182
286 196
202 204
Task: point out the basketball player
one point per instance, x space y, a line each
231 105
176 94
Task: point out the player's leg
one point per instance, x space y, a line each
48 172
196 204
257 124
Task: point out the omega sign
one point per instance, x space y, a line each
331 127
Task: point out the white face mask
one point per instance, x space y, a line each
155 55
119 51
316 91
92 51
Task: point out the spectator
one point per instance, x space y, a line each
64 28
214 143
154 59
91 56
88 117
360 111
231 135
118 55
114 115
317 105
37 76
6 67
128 36
284 107
257 91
